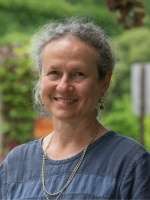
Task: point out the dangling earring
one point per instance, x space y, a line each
101 103
100 107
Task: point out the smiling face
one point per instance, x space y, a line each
70 87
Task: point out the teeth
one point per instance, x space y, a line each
64 99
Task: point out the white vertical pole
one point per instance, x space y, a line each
142 104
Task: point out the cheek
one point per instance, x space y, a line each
45 88
90 92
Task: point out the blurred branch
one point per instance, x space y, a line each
130 12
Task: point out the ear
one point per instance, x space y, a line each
104 83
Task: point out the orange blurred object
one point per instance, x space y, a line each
43 126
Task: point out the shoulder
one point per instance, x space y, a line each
25 148
126 146
134 162
120 151
131 164
132 156
18 164
21 155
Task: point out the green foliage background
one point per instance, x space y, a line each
17 78
19 19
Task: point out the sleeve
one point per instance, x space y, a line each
136 182
3 188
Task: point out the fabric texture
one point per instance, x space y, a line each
115 167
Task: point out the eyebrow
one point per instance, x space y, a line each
53 67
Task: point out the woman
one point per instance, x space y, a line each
80 159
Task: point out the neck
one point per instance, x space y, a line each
75 129
69 138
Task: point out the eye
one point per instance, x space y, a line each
53 75
78 76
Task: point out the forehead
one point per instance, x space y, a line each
71 47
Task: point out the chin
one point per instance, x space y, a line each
63 115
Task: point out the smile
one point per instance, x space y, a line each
65 99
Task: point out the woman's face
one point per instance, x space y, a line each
70 87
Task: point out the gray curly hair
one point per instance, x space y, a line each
80 28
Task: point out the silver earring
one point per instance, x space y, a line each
100 105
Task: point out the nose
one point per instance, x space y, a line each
64 84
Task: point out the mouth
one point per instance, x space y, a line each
66 100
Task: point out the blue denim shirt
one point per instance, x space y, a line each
115 167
